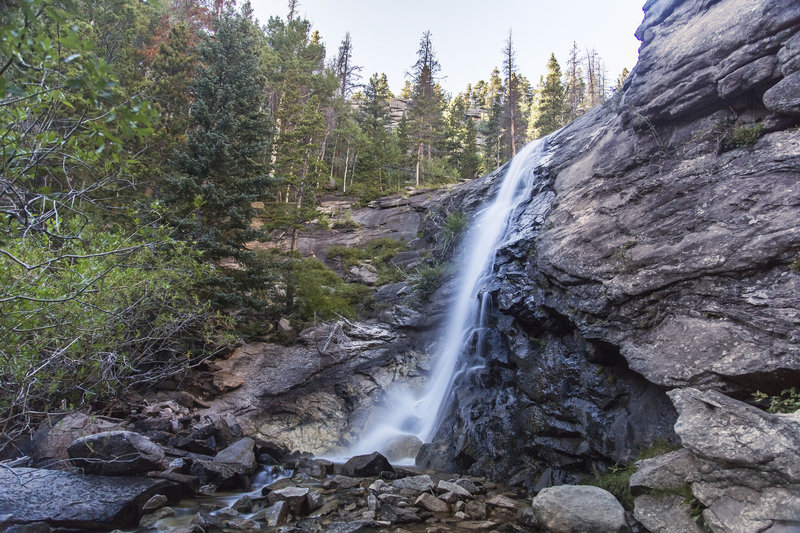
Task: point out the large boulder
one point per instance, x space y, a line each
579 509
367 465
741 466
116 453
240 452
72 501
51 439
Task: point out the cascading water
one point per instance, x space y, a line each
407 414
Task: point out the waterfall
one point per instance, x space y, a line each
408 415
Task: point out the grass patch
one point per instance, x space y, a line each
427 279
743 136
378 253
617 479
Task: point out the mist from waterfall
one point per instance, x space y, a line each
406 413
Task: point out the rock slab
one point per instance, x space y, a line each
64 499
116 453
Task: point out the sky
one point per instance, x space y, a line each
469 36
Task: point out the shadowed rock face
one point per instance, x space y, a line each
660 250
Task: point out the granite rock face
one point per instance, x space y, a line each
660 249
740 464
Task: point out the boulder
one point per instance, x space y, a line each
296 499
241 453
417 484
784 97
446 486
398 515
571 508
428 501
116 453
222 475
72 501
274 515
665 513
51 439
367 465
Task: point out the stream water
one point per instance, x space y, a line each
409 414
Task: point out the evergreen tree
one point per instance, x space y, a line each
575 86
375 120
346 72
223 164
621 80
512 114
551 99
425 112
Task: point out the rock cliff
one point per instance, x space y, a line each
660 251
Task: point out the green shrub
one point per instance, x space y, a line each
617 479
90 316
427 279
788 401
321 294
742 136
378 252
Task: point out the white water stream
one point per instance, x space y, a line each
409 414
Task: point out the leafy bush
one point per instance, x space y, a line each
427 279
86 317
321 294
378 252
788 401
742 136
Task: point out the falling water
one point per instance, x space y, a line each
408 414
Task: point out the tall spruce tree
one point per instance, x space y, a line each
223 164
574 85
426 109
551 99
375 120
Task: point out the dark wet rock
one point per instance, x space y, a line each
84 501
52 438
343 482
149 520
116 453
398 515
352 526
221 475
569 508
468 485
241 453
159 500
366 465
274 515
192 483
296 499
428 501
314 468
243 504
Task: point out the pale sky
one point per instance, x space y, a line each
469 36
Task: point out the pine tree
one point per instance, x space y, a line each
575 87
551 99
223 164
511 106
375 120
425 112
346 72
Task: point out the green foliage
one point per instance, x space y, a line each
107 312
323 295
788 401
617 479
378 253
552 103
427 279
453 228
742 136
